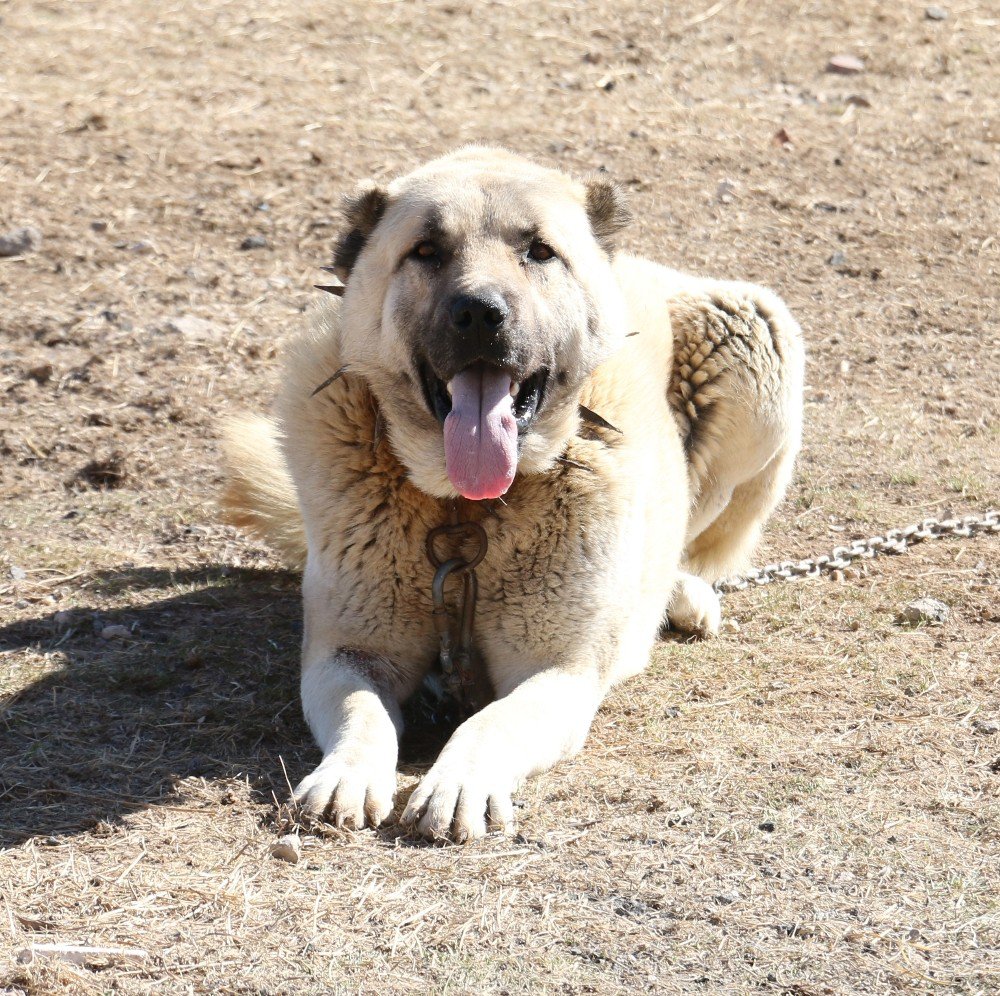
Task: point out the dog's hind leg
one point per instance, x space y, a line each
737 396
726 544
694 607
724 547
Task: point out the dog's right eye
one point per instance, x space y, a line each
540 251
425 250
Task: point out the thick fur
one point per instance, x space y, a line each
600 532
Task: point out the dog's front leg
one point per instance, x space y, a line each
349 704
541 721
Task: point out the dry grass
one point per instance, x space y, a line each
807 805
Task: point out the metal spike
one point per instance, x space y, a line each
588 416
573 463
329 380
337 290
491 509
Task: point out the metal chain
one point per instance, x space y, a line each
457 655
894 541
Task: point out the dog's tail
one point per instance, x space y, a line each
260 494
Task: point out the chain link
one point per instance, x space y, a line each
457 654
894 541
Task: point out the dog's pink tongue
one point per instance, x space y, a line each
480 434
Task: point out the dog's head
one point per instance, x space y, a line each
479 297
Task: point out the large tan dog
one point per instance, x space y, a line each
484 305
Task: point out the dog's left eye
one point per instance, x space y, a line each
425 250
540 252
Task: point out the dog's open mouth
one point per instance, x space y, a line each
527 394
484 411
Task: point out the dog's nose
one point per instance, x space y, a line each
479 314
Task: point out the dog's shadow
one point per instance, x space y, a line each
199 682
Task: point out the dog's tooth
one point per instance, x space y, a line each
447 387
514 388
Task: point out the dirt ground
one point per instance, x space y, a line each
806 805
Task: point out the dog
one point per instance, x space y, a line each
615 432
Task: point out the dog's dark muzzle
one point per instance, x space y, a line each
482 327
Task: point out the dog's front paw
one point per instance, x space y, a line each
460 800
695 607
347 792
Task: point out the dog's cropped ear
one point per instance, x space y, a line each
608 211
362 212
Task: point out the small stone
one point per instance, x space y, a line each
845 65
18 573
725 190
254 242
781 138
985 727
858 100
727 898
680 817
142 248
41 373
193 329
20 241
62 619
115 632
287 848
201 276
924 611
837 259
768 826
933 13
98 226
93 122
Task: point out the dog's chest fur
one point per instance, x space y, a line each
545 537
